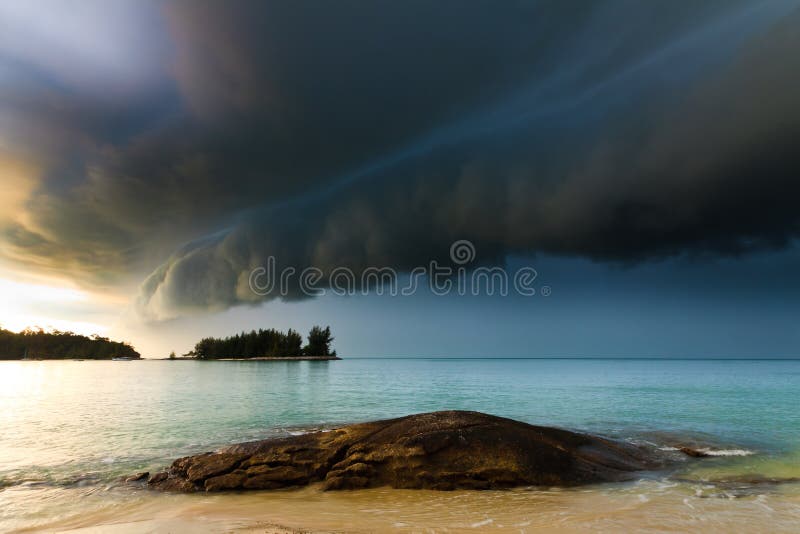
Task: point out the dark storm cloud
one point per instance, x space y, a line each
358 134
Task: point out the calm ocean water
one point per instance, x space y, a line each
69 429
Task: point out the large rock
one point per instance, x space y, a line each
439 450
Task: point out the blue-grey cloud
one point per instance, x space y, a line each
375 134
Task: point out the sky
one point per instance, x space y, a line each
640 158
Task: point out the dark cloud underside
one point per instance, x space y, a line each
357 134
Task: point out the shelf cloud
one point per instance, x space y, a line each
375 134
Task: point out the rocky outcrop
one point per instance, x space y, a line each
439 450
144 475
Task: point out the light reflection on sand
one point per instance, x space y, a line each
655 505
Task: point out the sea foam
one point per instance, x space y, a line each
727 452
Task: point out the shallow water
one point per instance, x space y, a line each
68 430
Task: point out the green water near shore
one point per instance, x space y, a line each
70 429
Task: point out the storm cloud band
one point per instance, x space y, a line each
357 135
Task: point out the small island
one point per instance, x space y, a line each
267 344
38 344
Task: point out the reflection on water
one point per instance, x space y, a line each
69 430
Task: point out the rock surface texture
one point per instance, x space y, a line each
440 450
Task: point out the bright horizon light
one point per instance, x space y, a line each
23 303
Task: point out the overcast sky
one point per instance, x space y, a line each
642 157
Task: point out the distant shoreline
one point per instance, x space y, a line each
258 358
276 359
179 358
124 359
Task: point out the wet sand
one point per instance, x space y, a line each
648 505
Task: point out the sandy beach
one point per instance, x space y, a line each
648 506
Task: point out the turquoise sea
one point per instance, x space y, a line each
70 429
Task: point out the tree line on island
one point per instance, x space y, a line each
38 344
60 345
268 343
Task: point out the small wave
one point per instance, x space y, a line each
27 481
25 484
299 431
714 452
727 452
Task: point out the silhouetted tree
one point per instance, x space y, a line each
319 342
60 345
265 343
